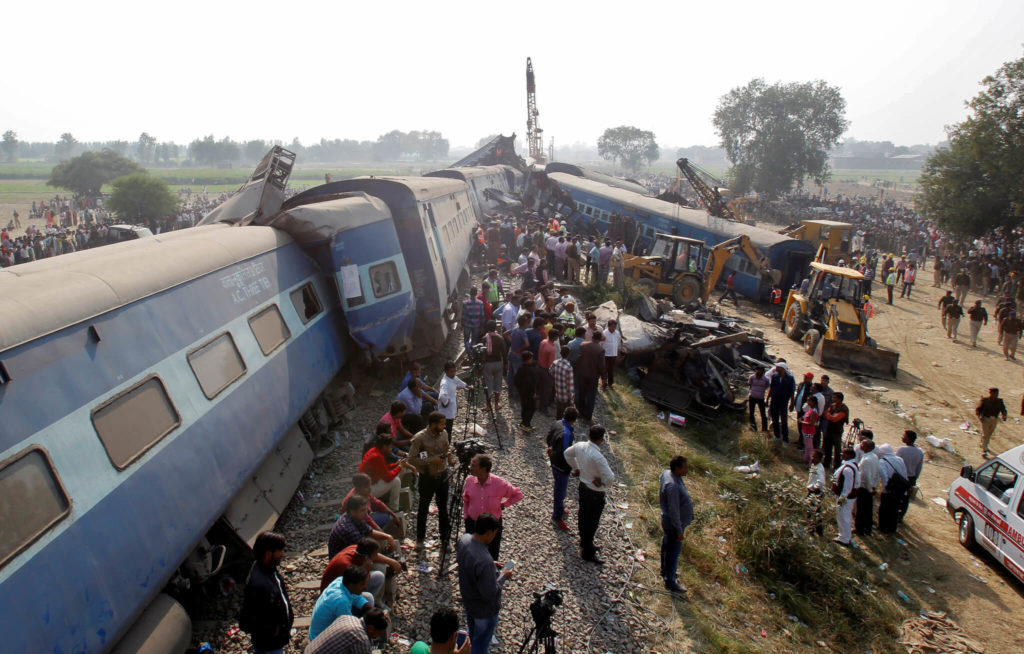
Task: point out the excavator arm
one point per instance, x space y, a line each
713 200
719 254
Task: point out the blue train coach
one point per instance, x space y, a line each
596 202
148 390
434 219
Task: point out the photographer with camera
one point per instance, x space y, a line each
447 400
430 455
480 582
487 493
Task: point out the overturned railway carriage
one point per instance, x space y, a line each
595 176
433 219
596 202
480 179
149 389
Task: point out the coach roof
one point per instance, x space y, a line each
45 296
697 218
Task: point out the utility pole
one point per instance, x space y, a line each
534 138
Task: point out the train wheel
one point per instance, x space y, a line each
793 319
685 291
646 286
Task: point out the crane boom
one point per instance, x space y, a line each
534 138
712 198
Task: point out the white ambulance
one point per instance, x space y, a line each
988 504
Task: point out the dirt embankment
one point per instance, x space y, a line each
939 384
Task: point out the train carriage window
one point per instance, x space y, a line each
306 302
216 364
132 422
31 501
384 277
269 328
589 211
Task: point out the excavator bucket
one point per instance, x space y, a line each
858 359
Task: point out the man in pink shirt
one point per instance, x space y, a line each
487 493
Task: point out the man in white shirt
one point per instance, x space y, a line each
869 477
596 477
447 400
913 459
612 340
847 478
510 313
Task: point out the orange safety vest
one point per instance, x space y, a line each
869 310
776 296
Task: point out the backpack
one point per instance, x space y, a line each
897 483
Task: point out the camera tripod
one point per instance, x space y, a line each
456 480
477 382
537 636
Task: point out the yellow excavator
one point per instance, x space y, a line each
829 317
673 266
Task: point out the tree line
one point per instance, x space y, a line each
417 145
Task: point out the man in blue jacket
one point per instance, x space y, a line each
780 396
676 516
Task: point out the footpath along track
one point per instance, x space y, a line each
592 619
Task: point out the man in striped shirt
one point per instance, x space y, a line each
561 371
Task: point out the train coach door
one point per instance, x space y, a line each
437 244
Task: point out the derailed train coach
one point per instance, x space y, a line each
158 397
595 203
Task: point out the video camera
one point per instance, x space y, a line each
542 609
466 449
477 353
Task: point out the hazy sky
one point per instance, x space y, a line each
107 70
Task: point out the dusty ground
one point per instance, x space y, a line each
938 386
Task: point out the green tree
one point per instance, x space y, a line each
145 147
211 152
390 146
138 197
65 146
88 172
254 150
778 135
631 146
977 182
10 145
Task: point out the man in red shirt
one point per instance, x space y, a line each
545 358
487 493
365 554
381 517
384 475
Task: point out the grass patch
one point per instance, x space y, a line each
747 560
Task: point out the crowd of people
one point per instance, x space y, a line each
533 348
79 223
849 455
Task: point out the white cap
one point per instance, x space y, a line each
782 364
885 449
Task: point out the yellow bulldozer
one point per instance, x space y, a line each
673 268
830 320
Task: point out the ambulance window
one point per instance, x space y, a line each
1003 482
984 476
